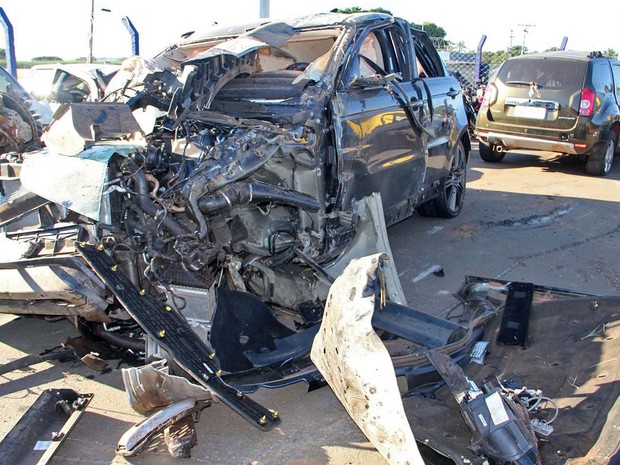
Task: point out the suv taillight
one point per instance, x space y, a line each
490 95
586 106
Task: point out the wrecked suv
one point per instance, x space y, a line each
208 214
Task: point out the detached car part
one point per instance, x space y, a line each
500 427
138 436
570 357
356 364
151 386
40 432
21 117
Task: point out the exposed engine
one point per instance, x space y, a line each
200 180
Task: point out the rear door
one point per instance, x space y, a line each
444 90
538 95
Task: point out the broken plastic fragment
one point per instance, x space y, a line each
479 352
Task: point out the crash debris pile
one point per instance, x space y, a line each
202 212
215 179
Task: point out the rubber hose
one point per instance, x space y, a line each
119 340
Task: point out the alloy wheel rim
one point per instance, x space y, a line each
455 182
609 155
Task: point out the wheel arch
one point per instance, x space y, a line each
466 141
615 128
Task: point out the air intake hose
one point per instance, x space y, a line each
243 193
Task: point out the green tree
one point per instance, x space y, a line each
2 54
431 29
459 47
357 9
47 59
495 57
610 52
517 50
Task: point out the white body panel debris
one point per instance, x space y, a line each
357 366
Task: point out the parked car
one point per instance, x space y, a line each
66 83
564 102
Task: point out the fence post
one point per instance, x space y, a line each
483 39
133 32
11 62
564 42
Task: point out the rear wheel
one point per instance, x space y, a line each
599 162
490 153
449 202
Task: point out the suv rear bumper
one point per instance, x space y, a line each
511 141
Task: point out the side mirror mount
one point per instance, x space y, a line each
376 80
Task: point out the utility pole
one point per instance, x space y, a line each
89 58
264 9
511 37
525 31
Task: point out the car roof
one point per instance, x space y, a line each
564 54
304 22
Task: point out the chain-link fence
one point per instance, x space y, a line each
471 68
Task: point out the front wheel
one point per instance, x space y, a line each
449 201
599 162
490 153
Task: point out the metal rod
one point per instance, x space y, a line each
11 62
135 36
483 39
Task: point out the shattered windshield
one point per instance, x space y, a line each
279 47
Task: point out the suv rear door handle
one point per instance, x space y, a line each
453 92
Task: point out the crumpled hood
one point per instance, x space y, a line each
75 182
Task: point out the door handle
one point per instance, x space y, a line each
416 103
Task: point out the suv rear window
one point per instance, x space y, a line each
550 74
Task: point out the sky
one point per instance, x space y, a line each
60 27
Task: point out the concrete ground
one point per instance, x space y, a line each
532 218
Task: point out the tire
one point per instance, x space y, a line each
489 153
449 202
599 162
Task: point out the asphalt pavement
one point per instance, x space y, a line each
534 217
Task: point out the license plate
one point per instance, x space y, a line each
530 112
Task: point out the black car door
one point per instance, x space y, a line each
444 91
381 124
